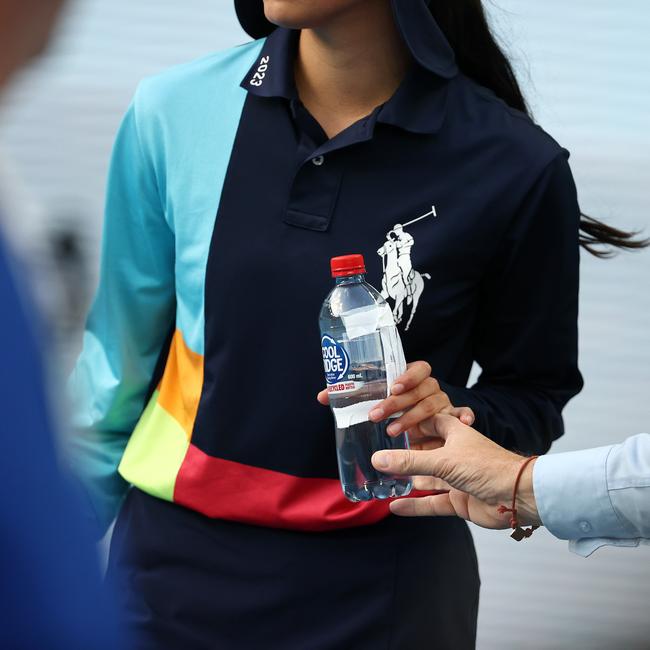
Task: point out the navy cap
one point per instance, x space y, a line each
415 22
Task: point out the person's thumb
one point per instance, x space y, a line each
462 413
447 424
407 462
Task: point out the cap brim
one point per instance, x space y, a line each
252 19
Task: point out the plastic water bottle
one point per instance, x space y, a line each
363 356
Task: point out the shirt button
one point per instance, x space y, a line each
318 160
585 526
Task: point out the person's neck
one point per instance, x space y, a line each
351 65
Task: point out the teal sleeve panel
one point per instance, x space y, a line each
129 321
190 114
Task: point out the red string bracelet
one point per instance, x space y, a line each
519 532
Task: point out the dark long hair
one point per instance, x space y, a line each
480 57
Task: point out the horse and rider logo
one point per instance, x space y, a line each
401 283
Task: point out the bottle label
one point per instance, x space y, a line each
345 387
337 363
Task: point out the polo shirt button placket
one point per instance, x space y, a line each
314 193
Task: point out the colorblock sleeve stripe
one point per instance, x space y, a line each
155 452
157 448
234 491
182 382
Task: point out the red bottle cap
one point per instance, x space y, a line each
347 265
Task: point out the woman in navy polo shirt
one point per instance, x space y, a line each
394 129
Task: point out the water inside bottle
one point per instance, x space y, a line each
357 438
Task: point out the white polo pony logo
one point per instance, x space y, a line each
401 283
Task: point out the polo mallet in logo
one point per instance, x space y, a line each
431 213
401 282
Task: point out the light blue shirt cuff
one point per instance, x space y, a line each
572 496
585 547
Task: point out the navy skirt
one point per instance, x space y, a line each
187 582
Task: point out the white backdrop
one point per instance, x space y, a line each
585 66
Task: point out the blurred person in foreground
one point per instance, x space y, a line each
50 590
593 497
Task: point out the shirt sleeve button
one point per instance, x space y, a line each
318 160
585 526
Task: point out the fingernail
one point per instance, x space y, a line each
394 429
376 414
381 459
397 389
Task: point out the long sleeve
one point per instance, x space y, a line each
130 319
597 496
526 328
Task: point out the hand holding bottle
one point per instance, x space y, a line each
419 396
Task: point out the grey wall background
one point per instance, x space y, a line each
585 66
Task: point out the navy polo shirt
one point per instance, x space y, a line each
226 201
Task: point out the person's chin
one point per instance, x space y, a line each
291 14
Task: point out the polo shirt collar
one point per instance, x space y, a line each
419 102
276 78
424 38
